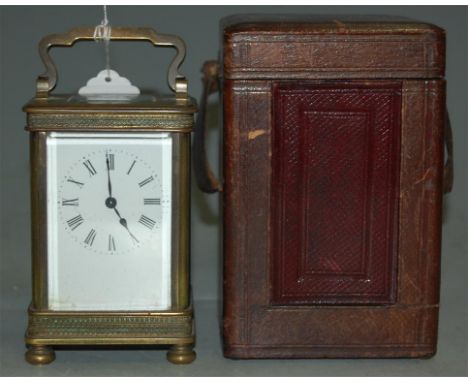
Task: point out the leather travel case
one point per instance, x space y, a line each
333 171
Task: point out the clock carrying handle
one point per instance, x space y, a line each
46 82
448 166
204 176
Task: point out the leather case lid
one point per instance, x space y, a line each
270 47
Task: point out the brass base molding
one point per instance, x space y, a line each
92 326
48 328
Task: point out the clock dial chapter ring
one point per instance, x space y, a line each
134 192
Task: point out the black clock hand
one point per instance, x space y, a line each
123 222
109 185
112 202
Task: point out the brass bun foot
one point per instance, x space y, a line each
40 355
181 354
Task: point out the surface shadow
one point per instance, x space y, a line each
207 213
446 210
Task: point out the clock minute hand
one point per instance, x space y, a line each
123 222
112 202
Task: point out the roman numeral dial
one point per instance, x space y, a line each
113 200
144 182
75 222
111 159
71 202
79 184
131 167
111 244
147 222
152 201
90 238
89 166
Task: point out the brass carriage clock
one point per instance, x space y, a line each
110 199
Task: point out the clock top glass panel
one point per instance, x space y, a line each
109 221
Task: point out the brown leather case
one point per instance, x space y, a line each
333 183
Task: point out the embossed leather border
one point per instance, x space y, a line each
327 168
253 328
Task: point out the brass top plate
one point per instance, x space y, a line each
144 103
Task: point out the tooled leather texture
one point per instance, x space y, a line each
301 48
254 326
335 193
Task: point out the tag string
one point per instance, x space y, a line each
102 32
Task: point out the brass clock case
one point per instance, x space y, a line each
145 113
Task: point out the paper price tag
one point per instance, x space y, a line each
108 85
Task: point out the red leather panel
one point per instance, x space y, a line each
335 166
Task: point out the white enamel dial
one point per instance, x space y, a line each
111 201
109 221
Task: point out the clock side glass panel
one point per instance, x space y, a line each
109 221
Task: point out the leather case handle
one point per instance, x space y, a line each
448 166
204 176
47 81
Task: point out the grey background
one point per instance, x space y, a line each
20 31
